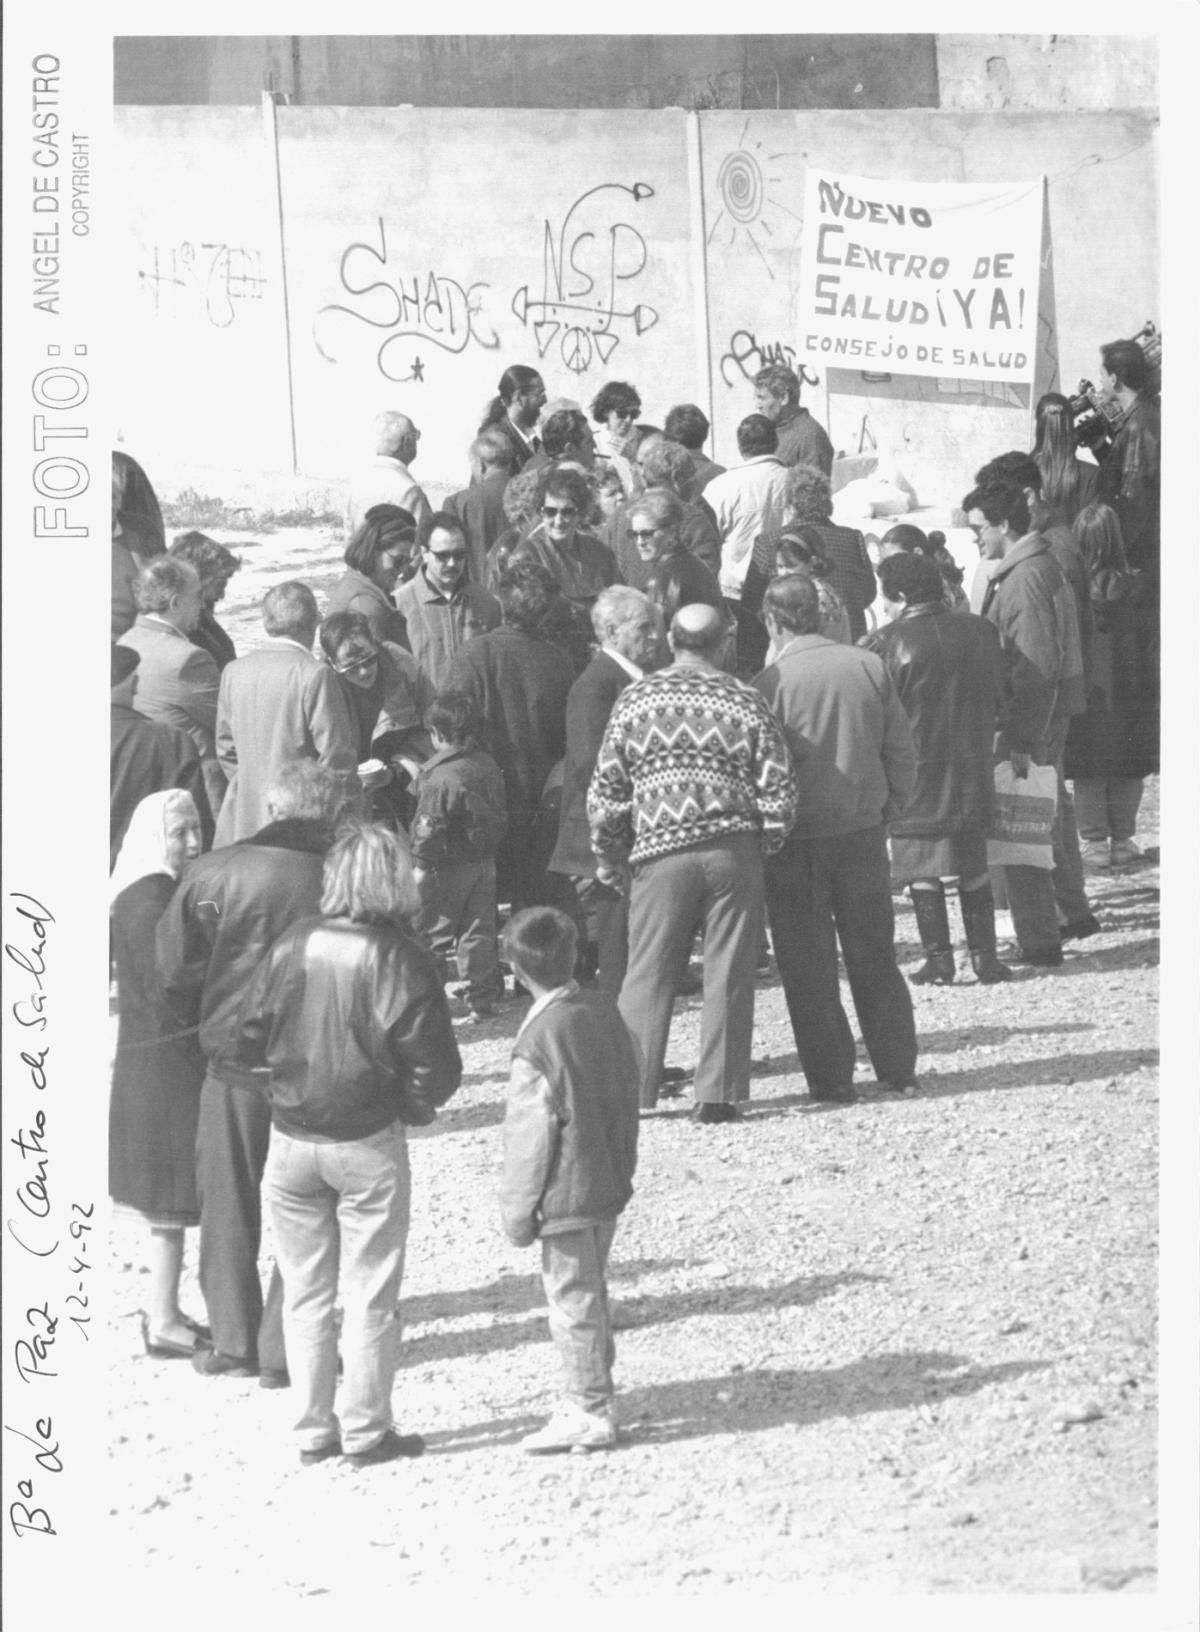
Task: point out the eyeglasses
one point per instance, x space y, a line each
639 533
566 513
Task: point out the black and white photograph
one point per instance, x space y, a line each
614 1055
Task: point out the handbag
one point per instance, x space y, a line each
1023 817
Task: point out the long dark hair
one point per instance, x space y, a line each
514 379
1054 455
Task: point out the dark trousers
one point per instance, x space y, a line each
721 885
458 919
819 892
605 915
232 1139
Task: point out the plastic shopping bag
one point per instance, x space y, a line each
1024 817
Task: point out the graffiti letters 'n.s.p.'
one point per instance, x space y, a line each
583 305
410 310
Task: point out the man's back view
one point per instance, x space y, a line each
279 704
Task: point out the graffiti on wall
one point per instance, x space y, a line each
748 211
584 306
746 354
406 311
214 279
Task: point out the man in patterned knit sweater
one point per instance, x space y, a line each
692 787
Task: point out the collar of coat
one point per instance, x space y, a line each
1023 550
294 833
452 750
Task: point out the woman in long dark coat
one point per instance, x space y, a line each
1113 746
155 1102
946 670
518 677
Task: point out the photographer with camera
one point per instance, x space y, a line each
1130 467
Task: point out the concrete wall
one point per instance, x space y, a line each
1047 73
421 263
534 71
657 247
198 290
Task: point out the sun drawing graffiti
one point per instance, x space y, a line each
747 209
583 306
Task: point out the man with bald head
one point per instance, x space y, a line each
387 479
692 787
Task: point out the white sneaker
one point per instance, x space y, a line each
1095 853
1124 853
571 1429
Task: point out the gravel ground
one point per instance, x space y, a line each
906 1346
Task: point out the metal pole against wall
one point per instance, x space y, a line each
698 256
275 188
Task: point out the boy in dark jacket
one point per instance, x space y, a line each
570 1149
459 820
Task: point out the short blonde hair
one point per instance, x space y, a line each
368 876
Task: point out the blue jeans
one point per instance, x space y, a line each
573 1265
821 891
340 1216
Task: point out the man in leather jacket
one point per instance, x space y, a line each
230 907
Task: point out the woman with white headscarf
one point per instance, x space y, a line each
155 1100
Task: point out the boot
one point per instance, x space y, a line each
934 929
979 921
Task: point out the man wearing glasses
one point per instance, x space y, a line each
441 606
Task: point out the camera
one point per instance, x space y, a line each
1095 417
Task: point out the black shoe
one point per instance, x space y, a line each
937 970
212 1363
989 971
387 1449
716 1110
309 1459
1049 959
672 1081
908 1089
274 1379
1080 928
165 1348
833 1096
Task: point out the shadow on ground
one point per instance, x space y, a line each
934 1042
514 1293
647 1309
746 1401
1058 1070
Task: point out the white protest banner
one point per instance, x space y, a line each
906 277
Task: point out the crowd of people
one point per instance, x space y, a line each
609 701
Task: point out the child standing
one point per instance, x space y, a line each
460 818
570 1149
